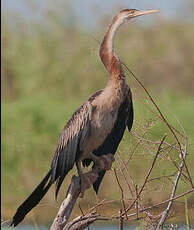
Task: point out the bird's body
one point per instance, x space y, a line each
96 128
90 126
104 114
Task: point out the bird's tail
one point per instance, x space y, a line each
32 200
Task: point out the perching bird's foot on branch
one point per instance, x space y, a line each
76 188
103 162
86 181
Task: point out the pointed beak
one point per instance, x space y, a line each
144 12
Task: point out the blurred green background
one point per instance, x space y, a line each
49 67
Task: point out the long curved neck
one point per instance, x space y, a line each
107 53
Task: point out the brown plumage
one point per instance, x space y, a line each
96 128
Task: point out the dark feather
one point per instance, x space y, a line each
71 138
32 200
130 112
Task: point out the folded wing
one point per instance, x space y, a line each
110 145
70 144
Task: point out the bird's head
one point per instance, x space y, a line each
127 14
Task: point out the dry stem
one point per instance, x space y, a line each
165 121
147 176
166 212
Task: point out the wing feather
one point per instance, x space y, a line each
130 112
70 143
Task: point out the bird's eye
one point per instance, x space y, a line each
132 11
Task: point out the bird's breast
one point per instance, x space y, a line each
104 115
102 123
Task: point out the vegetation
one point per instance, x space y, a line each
49 69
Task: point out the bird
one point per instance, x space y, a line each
97 126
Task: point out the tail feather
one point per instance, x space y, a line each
32 200
58 185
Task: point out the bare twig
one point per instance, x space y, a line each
158 204
122 194
161 177
103 202
152 111
137 204
122 171
153 142
147 176
165 121
4 222
138 143
121 220
154 103
166 211
81 222
166 201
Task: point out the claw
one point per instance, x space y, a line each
105 162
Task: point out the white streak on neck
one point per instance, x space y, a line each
111 36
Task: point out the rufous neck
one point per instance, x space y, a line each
107 53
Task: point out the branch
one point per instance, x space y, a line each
166 211
156 205
81 222
147 176
165 121
122 193
78 186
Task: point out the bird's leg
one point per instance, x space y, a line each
79 168
80 173
86 179
103 162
